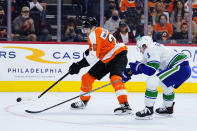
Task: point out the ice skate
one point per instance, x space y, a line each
165 111
124 109
79 105
145 114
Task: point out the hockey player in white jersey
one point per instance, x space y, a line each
166 68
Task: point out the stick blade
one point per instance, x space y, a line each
32 112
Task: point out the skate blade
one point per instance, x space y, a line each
164 115
120 113
144 118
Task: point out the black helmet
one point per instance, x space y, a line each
88 22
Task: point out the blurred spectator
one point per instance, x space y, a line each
152 33
159 9
71 33
45 34
113 22
177 14
3 24
125 4
171 6
165 36
186 20
163 25
183 34
133 14
23 26
111 7
194 4
35 13
17 6
3 4
81 5
93 8
140 27
123 35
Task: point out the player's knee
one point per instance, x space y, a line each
87 79
115 78
152 83
167 90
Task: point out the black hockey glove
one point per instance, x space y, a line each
75 67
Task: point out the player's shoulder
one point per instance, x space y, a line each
99 29
153 50
101 32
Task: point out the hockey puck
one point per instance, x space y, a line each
18 99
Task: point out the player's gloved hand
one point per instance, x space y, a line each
135 67
126 75
74 68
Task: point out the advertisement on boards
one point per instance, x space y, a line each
43 62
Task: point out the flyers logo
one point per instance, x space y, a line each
36 56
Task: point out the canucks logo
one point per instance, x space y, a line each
148 55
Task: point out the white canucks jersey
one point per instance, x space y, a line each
160 57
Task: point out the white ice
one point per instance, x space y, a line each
98 116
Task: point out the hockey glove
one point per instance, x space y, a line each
75 67
126 75
135 67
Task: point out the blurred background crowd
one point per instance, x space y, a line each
36 20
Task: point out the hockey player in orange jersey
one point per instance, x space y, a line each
109 56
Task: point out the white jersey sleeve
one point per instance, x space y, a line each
152 57
92 58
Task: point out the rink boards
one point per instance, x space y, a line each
32 67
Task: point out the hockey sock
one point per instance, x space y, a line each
151 90
168 95
120 89
150 96
86 86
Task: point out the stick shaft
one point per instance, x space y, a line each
73 98
53 85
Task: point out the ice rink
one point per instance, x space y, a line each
98 116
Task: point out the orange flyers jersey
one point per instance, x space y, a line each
103 46
125 3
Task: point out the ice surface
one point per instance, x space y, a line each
98 116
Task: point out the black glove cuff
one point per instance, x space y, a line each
87 52
83 63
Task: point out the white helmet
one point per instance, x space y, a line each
144 40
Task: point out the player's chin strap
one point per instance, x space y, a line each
28 111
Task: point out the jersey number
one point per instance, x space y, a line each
93 47
111 38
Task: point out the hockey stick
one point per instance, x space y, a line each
28 111
53 85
